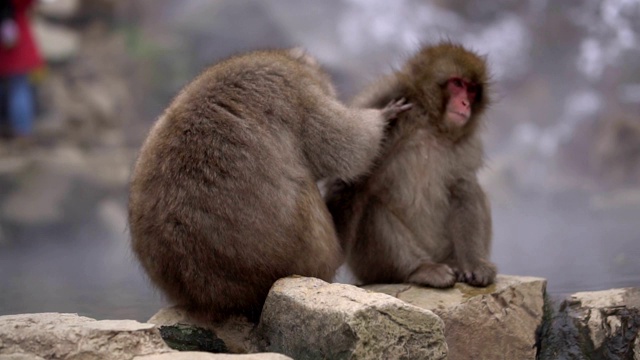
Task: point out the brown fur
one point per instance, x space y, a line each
420 216
223 197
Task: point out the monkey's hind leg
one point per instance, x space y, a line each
387 251
318 252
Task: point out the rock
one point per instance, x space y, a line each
170 316
56 43
307 318
182 333
58 9
594 325
191 355
69 336
20 357
192 338
496 322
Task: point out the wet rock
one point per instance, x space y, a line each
594 325
182 333
496 322
69 336
307 318
191 338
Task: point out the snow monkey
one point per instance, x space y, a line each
223 197
420 215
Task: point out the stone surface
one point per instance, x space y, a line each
69 336
20 357
594 325
307 318
56 43
601 312
182 333
189 338
496 322
58 9
192 355
170 316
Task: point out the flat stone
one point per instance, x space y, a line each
307 318
496 322
69 336
20 357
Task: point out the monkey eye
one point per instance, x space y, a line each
457 82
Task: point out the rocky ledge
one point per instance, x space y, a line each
306 318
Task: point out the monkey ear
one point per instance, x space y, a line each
299 53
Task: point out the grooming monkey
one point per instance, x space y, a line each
223 197
420 215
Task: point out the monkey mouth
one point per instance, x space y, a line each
458 118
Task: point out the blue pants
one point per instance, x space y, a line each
20 103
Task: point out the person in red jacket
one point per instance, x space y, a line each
19 56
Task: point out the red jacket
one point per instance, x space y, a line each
23 57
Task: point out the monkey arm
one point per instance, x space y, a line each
341 142
469 226
378 94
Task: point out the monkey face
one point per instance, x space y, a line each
461 94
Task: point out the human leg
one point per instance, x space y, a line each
20 105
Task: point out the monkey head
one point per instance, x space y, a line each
320 76
450 85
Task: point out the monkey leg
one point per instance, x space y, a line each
318 251
469 226
386 250
436 275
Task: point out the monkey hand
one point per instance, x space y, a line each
394 108
482 274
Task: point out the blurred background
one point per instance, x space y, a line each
563 138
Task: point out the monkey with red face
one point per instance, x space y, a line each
420 215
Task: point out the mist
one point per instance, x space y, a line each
562 139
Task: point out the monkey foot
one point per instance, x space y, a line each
483 275
434 275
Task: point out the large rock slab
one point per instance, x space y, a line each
69 336
307 318
594 325
496 322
